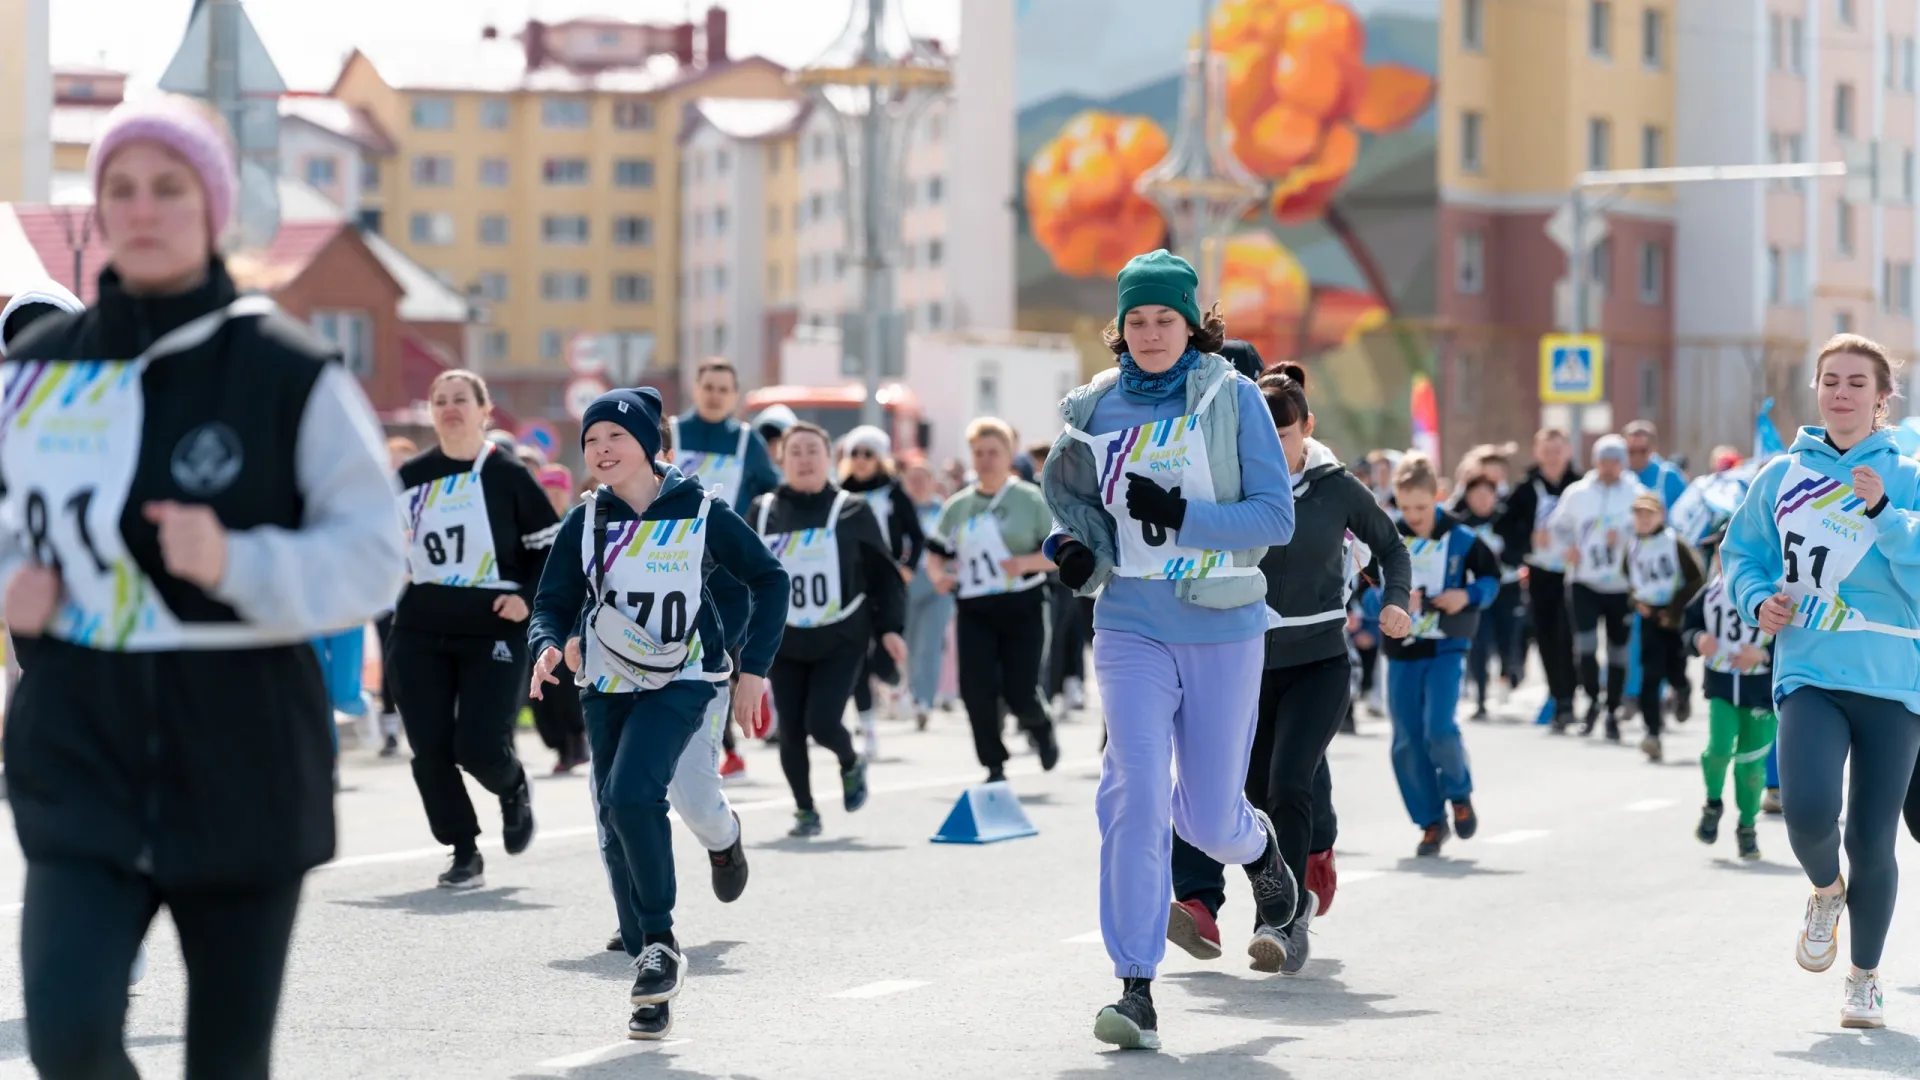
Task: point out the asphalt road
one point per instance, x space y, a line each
1583 933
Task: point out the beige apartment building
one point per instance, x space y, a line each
25 100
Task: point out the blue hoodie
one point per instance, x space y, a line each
732 545
1662 478
1882 587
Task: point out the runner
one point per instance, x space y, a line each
771 425
1205 491
633 579
1307 685
1654 472
1478 508
400 450
480 527
929 611
235 505
987 546
1739 689
1823 554
1591 527
1454 578
556 716
1524 527
1664 575
846 592
1063 674
867 470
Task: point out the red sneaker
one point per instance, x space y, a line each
733 765
1190 925
1322 880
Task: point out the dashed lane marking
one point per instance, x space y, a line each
881 988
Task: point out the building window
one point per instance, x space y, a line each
719 279
1653 31
1653 272
817 207
1777 41
1599 144
633 173
494 114
493 345
1600 265
323 172
936 314
1845 11
493 230
936 190
819 146
563 286
1843 109
563 229
1600 29
935 252
432 170
492 286
722 161
1892 64
432 114
773 280
1470 140
1470 262
1472 26
1652 147
1906 64
564 172
369 175
351 332
720 219
633 115
1776 272
1906 176
552 344
773 218
773 159
1796 278
632 289
936 128
566 112
633 231
1896 288
1649 389
1797 46
435 229
1843 228
370 219
493 172
1843 322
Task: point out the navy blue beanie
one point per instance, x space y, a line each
636 410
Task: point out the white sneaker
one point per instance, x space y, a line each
1864 1007
1076 692
1770 802
870 736
1818 943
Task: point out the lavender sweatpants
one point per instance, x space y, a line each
1188 709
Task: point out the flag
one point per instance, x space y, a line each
1426 418
1766 437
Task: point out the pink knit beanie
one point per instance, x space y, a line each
188 129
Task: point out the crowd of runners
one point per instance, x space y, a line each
198 508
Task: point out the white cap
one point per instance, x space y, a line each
51 294
869 437
775 416
1610 447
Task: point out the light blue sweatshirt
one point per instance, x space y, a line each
1882 587
1262 518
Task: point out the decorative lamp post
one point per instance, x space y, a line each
1201 188
873 80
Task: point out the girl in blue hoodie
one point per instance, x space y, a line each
1168 487
1824 553
1455 577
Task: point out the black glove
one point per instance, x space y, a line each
1153 504
1075 561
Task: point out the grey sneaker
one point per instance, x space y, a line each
1268 950
1818 943
1297 946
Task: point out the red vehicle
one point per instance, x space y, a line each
837 409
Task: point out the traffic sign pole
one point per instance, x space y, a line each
1577 318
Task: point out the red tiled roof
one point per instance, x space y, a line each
294 248
54 232
422 360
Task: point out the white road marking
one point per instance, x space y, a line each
1091 937
1351 876
881 988
609 1052
1644 805
1517 836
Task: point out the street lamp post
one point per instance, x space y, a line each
874 79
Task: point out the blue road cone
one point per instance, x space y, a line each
1546 713
983 814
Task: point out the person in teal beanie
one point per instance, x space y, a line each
1824 553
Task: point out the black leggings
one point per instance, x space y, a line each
1553 632
810 698
459 699
1593 611
878 666
1498 637
1300 710
383 626
1001 643
1824 733
1662 656
80 929
556 714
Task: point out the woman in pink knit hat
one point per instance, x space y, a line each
194 489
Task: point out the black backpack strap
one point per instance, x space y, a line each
601 512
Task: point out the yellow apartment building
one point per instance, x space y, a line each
542 175
26 84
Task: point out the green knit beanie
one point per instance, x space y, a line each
1160 277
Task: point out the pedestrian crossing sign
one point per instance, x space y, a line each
1572 369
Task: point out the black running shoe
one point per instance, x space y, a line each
853 785
651 1022
806 823
616 943
1130 1023
516 817
1592 719
1049 748
466 872
997 774
1465 821
1748 838
1275 891
391 748
730 868
657 977
1430 840
1613 728
1708 830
